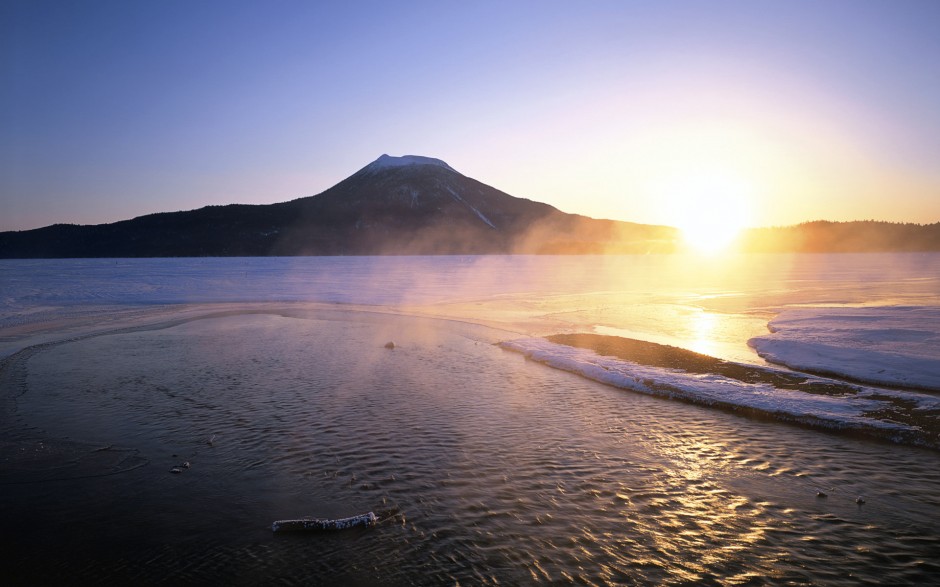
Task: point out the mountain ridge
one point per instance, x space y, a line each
416 205
394 205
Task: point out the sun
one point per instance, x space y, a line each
709 209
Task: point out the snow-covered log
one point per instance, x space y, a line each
367 520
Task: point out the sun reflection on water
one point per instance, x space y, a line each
703 333
696 514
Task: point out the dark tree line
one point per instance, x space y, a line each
858 236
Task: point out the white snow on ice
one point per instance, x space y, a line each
716 390
890 345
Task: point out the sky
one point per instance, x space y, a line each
778 112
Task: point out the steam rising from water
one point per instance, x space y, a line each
681 300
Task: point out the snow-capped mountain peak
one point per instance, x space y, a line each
388 162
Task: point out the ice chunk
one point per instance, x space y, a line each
892 345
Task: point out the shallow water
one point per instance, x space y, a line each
485 468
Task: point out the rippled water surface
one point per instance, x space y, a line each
483 468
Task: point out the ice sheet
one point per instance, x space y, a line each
892 345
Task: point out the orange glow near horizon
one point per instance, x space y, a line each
709 208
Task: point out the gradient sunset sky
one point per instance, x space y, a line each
795 110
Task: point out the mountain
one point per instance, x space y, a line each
394 205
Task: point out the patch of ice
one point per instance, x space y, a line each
893 345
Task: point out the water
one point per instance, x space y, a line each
484 467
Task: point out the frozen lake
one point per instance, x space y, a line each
270 377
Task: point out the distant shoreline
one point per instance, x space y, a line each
176 235
584 252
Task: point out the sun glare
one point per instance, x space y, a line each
710 210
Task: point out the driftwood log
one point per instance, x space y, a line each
367 520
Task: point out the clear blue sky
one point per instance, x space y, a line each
810 109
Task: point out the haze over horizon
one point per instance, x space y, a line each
773 113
